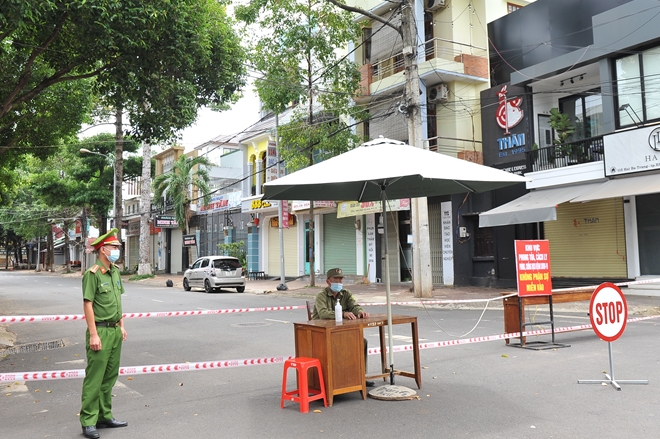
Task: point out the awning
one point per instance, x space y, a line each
536 206
622 187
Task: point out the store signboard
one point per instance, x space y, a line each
632 151
222 202
355 208
166 221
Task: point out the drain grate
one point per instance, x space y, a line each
34 347
250 324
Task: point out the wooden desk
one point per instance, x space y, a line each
340 348
512 312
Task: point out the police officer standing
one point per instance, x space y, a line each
102 290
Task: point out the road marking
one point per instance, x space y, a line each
278 321
71 362
156 300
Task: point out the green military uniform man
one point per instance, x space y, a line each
324 307
102 290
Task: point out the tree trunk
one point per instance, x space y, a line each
144 267
67 259
119 172
49 251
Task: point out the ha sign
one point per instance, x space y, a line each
608 312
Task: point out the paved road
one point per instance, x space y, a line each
480 390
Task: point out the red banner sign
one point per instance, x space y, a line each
533 268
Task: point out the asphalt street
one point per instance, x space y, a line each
476 390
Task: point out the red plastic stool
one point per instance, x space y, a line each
302 394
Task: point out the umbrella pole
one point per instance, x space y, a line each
387 289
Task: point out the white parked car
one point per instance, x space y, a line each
215 272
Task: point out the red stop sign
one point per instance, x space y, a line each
608 311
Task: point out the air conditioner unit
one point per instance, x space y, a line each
432 5
438 93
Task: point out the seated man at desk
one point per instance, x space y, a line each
324 307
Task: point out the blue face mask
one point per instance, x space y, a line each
113 256
336 287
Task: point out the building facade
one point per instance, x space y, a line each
588 138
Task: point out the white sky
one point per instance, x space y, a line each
209 123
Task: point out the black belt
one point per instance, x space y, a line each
107 324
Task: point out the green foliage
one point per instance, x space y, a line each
187 172
297 57
235 250
141 277
562 125
159 60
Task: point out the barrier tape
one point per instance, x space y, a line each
140 370
224 364
78 317
56 318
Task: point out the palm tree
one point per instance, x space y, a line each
178 185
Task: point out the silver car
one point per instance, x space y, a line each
215 272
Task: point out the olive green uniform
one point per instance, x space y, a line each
324 307
103 288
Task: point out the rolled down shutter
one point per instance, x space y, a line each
339 243
290 250
588 240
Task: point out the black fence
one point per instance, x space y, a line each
565 154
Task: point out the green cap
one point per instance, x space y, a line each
334 272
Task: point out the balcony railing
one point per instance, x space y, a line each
437 48
565 154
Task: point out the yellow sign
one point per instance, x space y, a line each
355 208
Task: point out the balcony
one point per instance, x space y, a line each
565 154
441 54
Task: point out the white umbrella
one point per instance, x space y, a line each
385 169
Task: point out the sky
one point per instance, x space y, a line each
209 123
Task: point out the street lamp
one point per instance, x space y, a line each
114 181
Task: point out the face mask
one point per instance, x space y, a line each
113 256
336 287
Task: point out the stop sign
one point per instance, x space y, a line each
608 311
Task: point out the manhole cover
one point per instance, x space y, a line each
34 347
250 324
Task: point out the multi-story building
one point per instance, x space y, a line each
453 49
596 186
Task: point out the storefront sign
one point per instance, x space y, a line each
255 204
632 151
166 221
506 127
370 221
285 214
189 241
533 267
355 208
447 244
222 202
304 205
271 161
133 228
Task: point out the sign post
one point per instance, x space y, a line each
608 312
533 279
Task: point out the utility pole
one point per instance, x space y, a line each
422 272
282 286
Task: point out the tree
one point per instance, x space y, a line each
158 61
177 185
299 63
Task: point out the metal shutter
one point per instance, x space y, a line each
290 250
588 240
339 243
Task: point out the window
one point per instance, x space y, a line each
510 7
638 97
483 242
586 112
366 45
